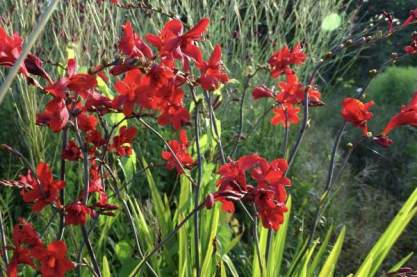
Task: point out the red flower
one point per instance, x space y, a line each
357 113
281 60
122 143
285 115
180 150
25 235
10 48
262 92
131 44
53 260
44 191
76 213
232 185
412 48
71 152
97 102
270 209
87 122
269 195
173 44
212 74
26 240
411 18
291 90
406 116
80 83
55 115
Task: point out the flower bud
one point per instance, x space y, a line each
209 202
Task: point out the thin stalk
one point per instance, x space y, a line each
29 44
166 239
129 215
3 240
213 125
86 179
258 251
62 192
197 189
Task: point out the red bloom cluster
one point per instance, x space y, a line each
41 190
269 194
357 113
281 60
406 116
179 147
291 91
50 260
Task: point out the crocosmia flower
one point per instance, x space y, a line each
132 45
122 144
179 147
172 43
281 60
406 116
212 73
44 191
53 260
357 113
285 115
77 213
268 195
262 92
55 115
411 18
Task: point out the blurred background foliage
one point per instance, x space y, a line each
375 182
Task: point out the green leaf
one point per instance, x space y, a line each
123 250
106 267
331 22
277 250
400 264
318 258
381 248
330 264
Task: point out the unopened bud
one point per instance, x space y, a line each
369 134
209 202
373 72
349 145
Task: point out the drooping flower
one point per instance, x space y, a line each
55 115
285 115
357 113
411 18
212 73
281 60
44 191
179 147
406 116
53 260
262 92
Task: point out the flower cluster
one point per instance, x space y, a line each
357 113
268 194
51 260
291 92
